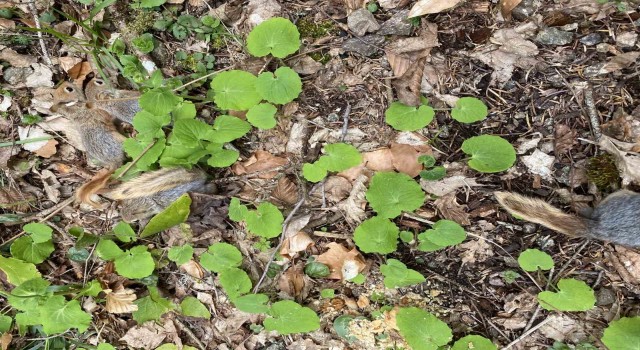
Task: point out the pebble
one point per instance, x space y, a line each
398 24
591 39
361 22
366 46
605 296
554 36
627 39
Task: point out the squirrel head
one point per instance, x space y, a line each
68 93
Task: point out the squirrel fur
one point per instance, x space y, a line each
122 104
615 219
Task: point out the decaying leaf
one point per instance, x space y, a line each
48 149
405 158
12 199
296 240
450 209
344 264
33 133
628 162
623 127
353 207
630 261
261 161
564 138
286 191
616 63
336 188
292 281
539 163
5 340
120 300
79 71
149 335
447 185
424 7
193 269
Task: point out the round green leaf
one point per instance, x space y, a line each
280 87
573 295
18 271
24 248
396 274
235 282
469 110
391 193
252 303
443 234
289 317
124 232
314 172
534 259
377 235
623 334
108 250
235 90
341 326
40 233
191 306
340 156
407 118
221 256
422 330
227 128
489 153
266 221
5 323
220 157
434 174
105 346
427 160
276 36
316 270
190 132
185 110
159 101
135 263
262 116
473 342
57 316
181 254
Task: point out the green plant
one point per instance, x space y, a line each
136 262
489 154
266 221
276 36
144 43
408 118
288 317
206 28
431 172
533 259
572 295
338 157
391 193
376 235
622 334
396 274
422 330
444 233
473 342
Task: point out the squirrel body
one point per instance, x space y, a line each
122 104
615 219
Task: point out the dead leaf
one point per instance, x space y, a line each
51 185
48 149
17 60
447 185
405 159
79 71
344 264
564 139
292 281
423 7
539 163
630 260
336 188
450 209
260 10
295 244
379 160
627 163
353 207
5 340
623 127
286 191
261 161
193 269
14 200
7 24
563 328
120 300
616 63
149 335
506 6
476 250
31 133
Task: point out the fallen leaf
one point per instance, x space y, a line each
450 209
630 260
379 160
627 163
260 10
51 185
447 185
79 71
539 163
623 127
343 263
149 335
5 340
353 207
7 24
193 269
528 143
336 188
405 159
506 6
476 250
30 133
17 60
616 63
14 200
5 103
563 328
120 300
295 244
564 139
286 191
292 281
48 149
261 161
423 7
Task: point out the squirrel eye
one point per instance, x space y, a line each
68 89
99 82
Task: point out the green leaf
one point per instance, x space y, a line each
178 155
276 36
396 274
5 323
135 147
341 326
30 294
237 211
623 334
227 128
144 43
152 307
391 193
124 232
328 293
427 160
18 271
191 306
235 282
221 256
262 116
444 233
473 342
108 250
376 235
314 172
235 90
435 174
280 87
135 263
24 248
106 346
181 254
185 110
469 110
573 295
58 316
190 132
266 221
422 330
159 101
340 156
40 233
407 118
359 279
151 3
221 158
289 317
149 126
315 269
489 154
252 303
92 288
406 236
534 259
176 213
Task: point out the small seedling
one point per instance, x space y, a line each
431 172
396 274
445 233
533 259
572 295
489 154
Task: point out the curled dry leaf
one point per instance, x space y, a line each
450 209
630 261
564 138
423 7
623 127
343 263
286 191
5 340
12 199
336 188
149 335
193 269
79 71
292 281
295 240
447 185
120 300
353 207
379 160
260 161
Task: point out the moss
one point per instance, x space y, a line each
309 28
140 22
218 42
320 57
602 171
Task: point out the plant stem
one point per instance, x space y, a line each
21 142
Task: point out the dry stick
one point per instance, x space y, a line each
133 162
36 20
527 333
192 336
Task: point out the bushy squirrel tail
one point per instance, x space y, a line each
540 212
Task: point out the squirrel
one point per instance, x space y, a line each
615 219
122 104
150 193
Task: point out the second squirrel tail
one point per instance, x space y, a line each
540 212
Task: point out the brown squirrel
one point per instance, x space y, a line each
615 219
152 192
122 104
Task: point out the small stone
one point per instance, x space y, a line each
17 76
605 296
398 24
554 36
524 10
591 39
366 46
361 22
529 228
627 39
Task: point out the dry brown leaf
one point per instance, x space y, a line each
506 6
616 63
336 188
48 149
261 161
405 159
343 264
447 185
12 199
379 160
79 71
564 139
94 186
423 7
352 5
120 300
292 281
193 269
623 127
353 207
7 24
630 259
450 209
5 340
149 335
286 191
476 250
627 163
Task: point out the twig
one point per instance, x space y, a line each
192 336
36 20
592 111
133 162
345 124
51 212
21 142
532 319
527 333
575 255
